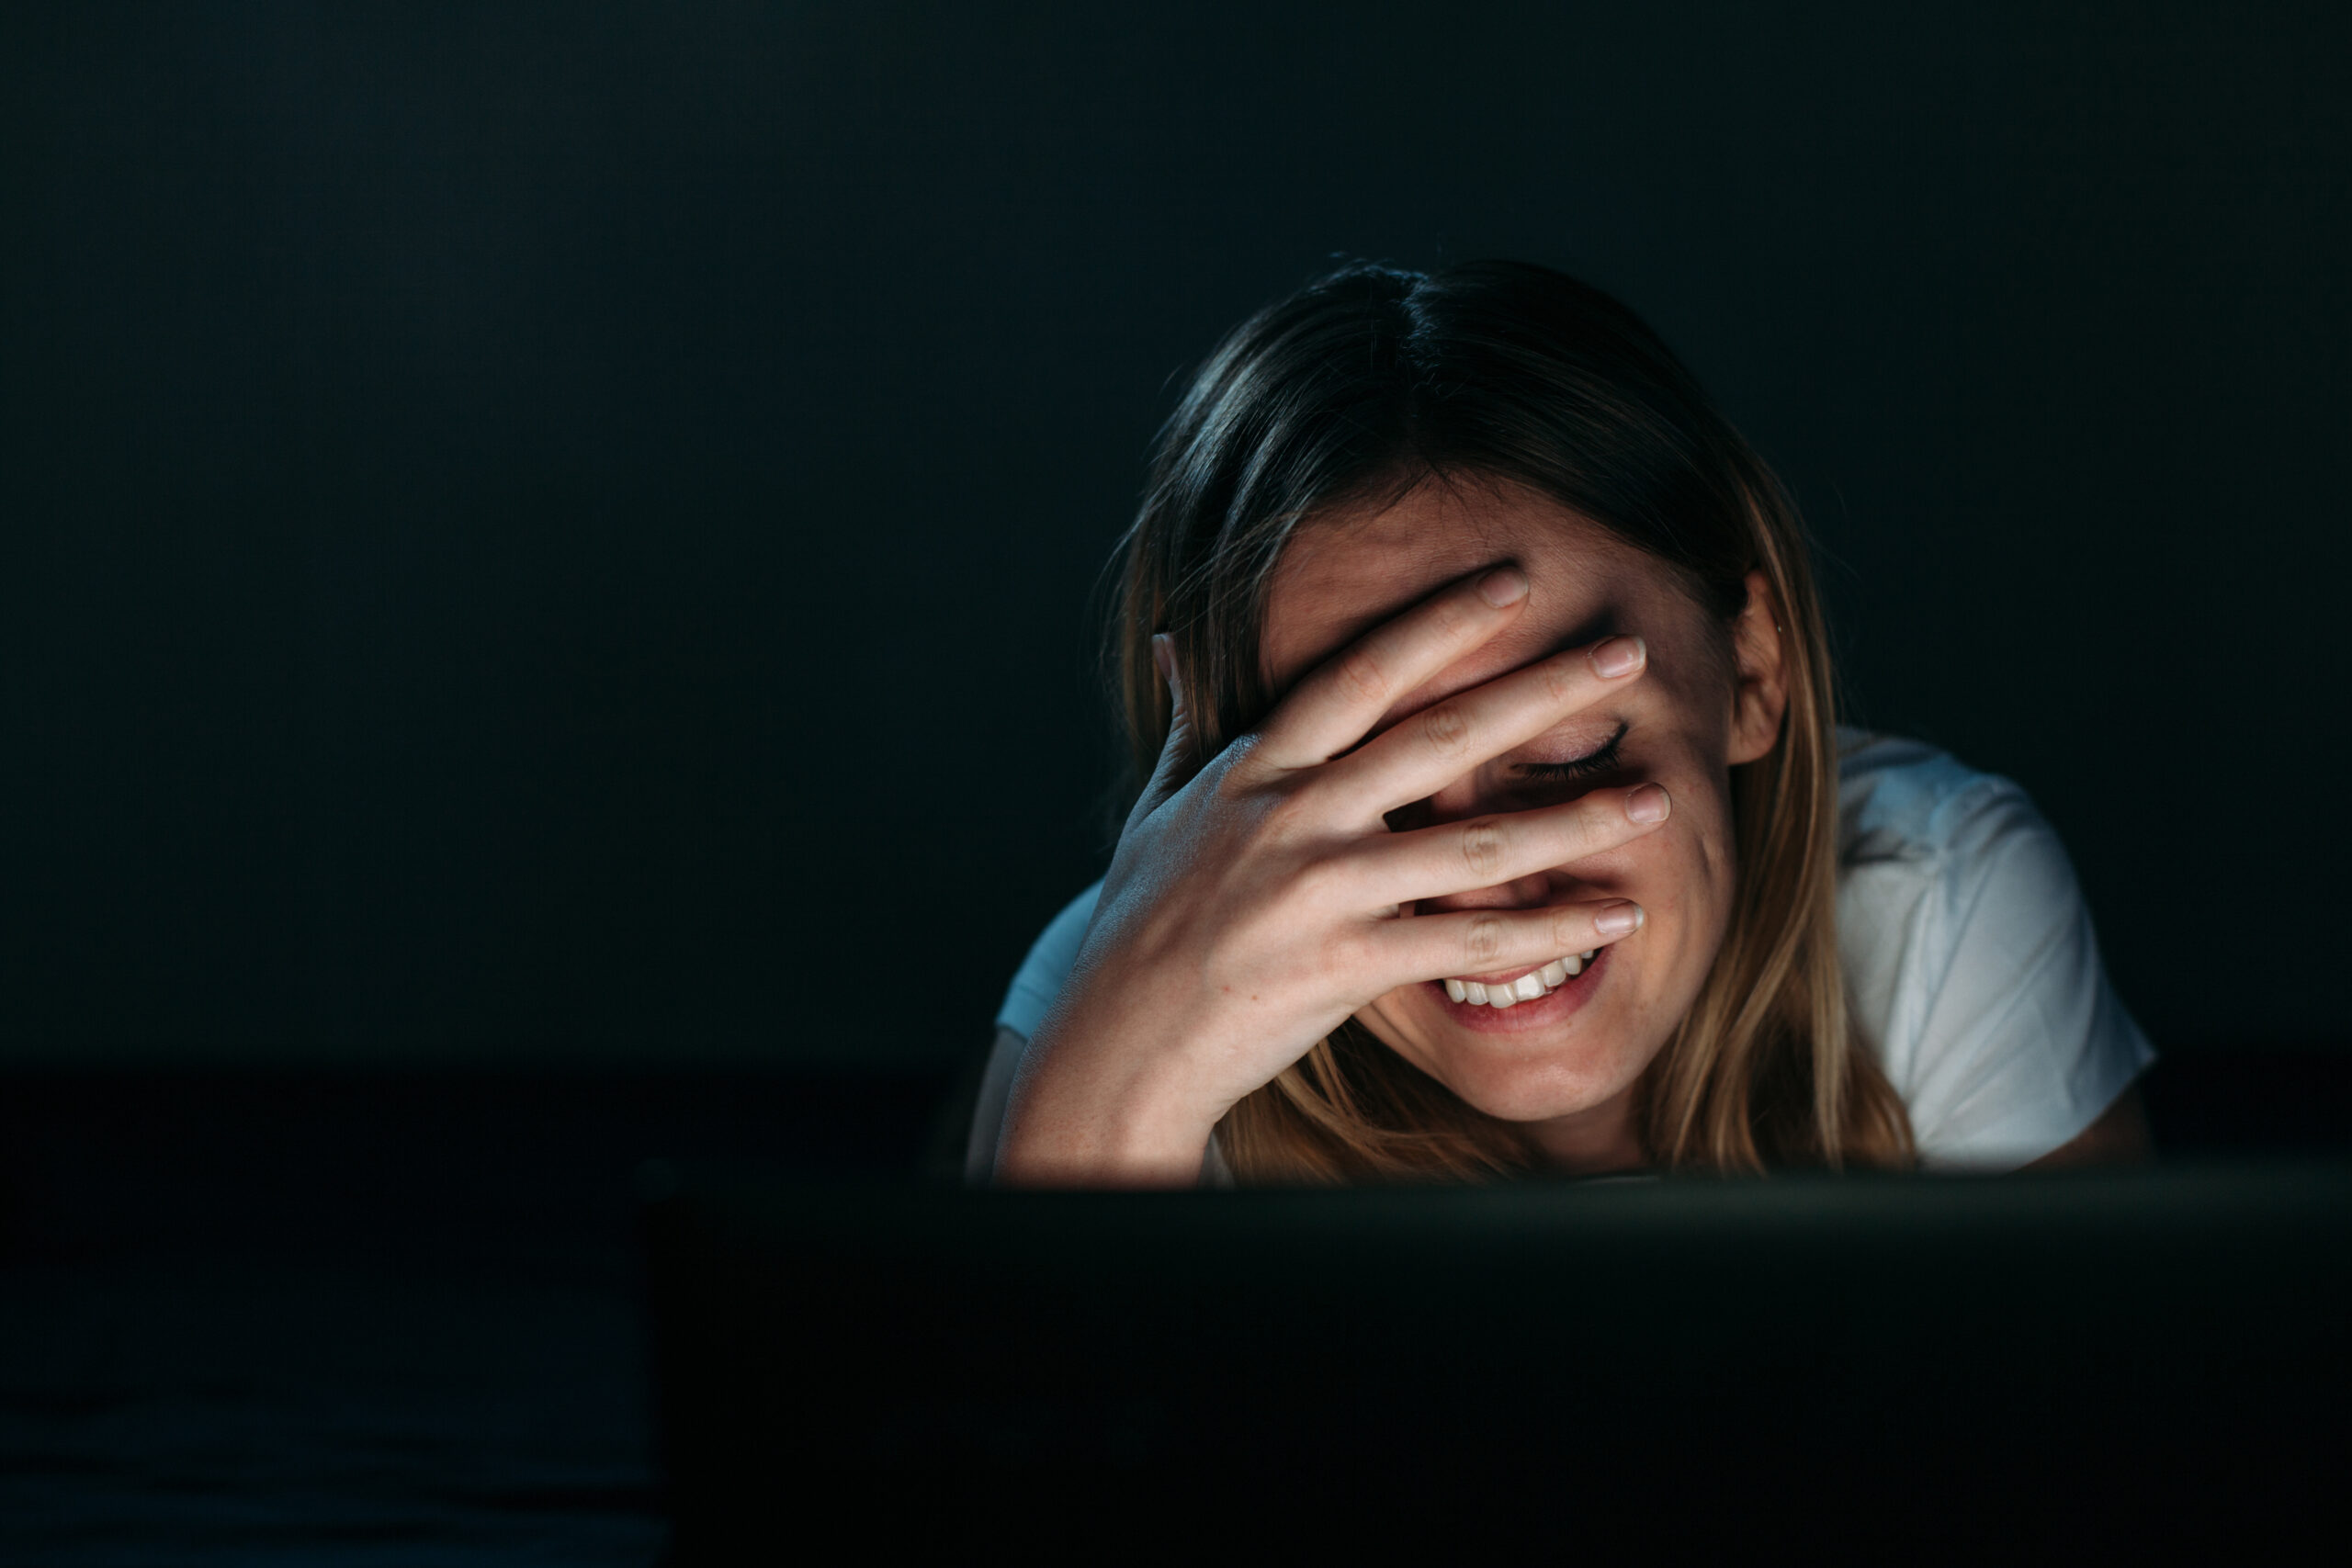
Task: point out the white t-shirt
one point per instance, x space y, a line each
1967 952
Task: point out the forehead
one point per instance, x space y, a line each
1345 573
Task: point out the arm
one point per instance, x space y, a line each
2119 1137
1253 905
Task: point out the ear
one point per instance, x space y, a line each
1760 659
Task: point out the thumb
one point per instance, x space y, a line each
1169 777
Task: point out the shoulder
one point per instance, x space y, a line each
1026 1001
1903 800
1039 979
1917 829
1970 957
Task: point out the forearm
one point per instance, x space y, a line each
2119 1137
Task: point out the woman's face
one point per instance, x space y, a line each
1710 697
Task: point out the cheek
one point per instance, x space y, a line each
1683 877
1687 864
1695 868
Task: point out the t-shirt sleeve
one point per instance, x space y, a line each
2020 1042
1051 957
1026 1001
988 1114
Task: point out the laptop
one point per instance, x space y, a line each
1992 1365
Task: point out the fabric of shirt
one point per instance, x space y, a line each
1970 962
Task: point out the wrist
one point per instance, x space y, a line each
1082 1117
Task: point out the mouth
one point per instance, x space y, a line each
1511 1002
1509 988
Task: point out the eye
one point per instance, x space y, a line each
1586 766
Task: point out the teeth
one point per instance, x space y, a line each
1526 988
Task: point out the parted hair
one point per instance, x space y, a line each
1363 384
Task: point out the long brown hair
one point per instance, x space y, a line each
1366 383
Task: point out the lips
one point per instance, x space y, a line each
1551 1004
1527 985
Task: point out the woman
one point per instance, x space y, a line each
1495 818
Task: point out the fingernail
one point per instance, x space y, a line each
1616 920
1504 585
1648 804
1619 656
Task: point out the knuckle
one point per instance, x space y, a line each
1361 678
1451 620
1484 938
1318 884
1446 729
1484 843
1589 826
1238 771
1291 811
1584 830
1348 955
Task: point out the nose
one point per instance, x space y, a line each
1520 893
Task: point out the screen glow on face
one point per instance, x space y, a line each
1547 1062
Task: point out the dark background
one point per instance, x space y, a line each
562 533
545 556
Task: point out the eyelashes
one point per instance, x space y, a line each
1591 763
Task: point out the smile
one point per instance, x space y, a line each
1530 986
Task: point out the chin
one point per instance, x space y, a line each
1534 1062
1541 1086
1536 1075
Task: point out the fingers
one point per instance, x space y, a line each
1168 775
1417 758
1340 701
1481 851
1479 942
